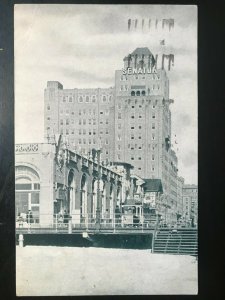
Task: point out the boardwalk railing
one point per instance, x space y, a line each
73 222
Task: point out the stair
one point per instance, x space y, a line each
183 242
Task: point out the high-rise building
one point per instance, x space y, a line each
190 204
131 121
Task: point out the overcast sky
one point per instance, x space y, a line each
81 46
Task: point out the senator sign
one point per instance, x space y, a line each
132 71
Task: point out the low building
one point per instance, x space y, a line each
51 179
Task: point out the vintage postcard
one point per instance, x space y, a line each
106 187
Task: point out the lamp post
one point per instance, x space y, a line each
98 216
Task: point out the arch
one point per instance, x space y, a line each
138 93
132 93
27 191
143 93
71 191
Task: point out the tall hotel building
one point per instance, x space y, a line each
132 120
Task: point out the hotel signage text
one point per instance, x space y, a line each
131 71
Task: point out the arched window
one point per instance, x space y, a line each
104 98
143 93
138 93
80 99
27 192
87 98
133 93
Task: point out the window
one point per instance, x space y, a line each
101 122
93 98
72 131
64 99
139 158
107 131
48 128
89 133
153 116
139 116
79 141
140 106
110 98
70 99
94 121
106 142
139 168
48 107
153 106
106 121
61 122
119 115
119 147
139 127
132 127
132 106
84 131
79 121
153 157
132 158
84 121
80 99
89 121
89 141
139 147
132 137
72 113
48 118
132 116
67 121
107 112
87 99
101 112
67 111
119 137
139 137
119 126
94 141
138 93
103 98
118 156
67 131
79 131
153 125
84 141
143 93
153 168
94 132
133 93
79 112
119 106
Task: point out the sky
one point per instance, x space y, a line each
81 46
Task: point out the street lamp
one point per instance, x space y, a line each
98 215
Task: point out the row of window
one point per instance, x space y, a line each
150 76
140 106
93 98
133 116
132 137
90 141
92 122
93 131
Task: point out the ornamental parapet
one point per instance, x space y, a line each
26 148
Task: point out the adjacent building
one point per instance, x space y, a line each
190 204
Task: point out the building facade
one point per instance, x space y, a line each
190 204
50 179
131 122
